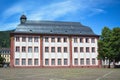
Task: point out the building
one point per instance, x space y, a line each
5 52
53 44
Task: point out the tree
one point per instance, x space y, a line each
103 45
115 44
109 45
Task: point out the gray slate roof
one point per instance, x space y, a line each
5 51
53 27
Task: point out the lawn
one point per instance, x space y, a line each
59 74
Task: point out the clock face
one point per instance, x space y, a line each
23 20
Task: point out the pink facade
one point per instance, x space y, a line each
53 44
53 51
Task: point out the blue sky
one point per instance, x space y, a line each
93 13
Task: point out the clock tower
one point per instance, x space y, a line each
23 19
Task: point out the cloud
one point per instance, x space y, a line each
53 10
62 9
17 8
12 10
96 11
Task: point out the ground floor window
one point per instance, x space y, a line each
29 61
75 61
87 61
17 62
59 61
93 61
46 61
82 61
53 62
35 61
65 61
23 61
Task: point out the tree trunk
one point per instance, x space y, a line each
104 63
109 64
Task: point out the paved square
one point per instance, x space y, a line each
59 74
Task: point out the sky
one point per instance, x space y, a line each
93 13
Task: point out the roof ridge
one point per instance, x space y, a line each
51 22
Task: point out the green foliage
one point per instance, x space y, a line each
5 39
115 43
109 45
1 59
103 44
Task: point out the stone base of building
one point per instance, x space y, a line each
56 66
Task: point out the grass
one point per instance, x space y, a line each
59 74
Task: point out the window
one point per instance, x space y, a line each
7 55
75 49
93 49
93 40
35 39
23 49
29 39
46 49
87 61
52 49
87 49
30 49
35 61
58 39
93 60
82 61
29 61
17 49
7 59
46 39
23 39
81 49
46 61
59 49
65 39
17 62
17 39
23 61
75 40
65 50
53 62
59 61
52 39
36 49
76 61
87 40
81 40
65 61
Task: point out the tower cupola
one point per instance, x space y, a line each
23 19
